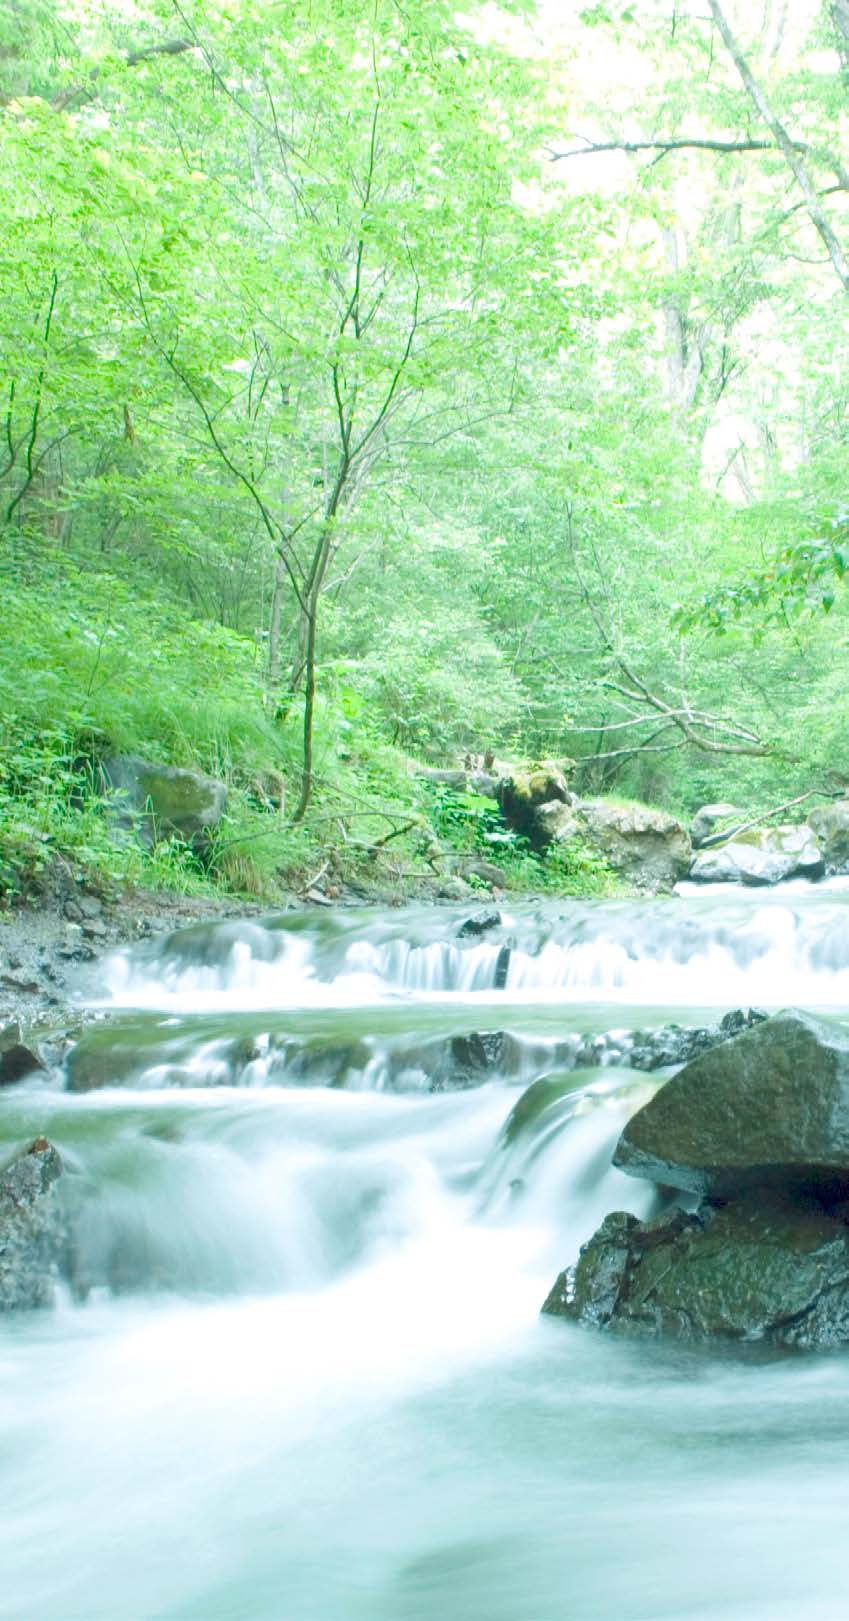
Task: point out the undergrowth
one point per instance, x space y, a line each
89 667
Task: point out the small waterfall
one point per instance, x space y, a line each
693 951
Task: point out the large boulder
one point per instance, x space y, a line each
32 1228
830 827
770 1107
526 799
648 847
766 856
761 1268
161 801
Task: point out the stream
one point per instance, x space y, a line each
302 1374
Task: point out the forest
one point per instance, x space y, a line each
384 386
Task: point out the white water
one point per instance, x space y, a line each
699 951
309 1381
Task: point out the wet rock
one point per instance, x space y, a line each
764 1267
557 1092
453 888
830 827
479 923
160 801
17 1061
659 1049
647 846
705 820
32 1228
502 966
473 1059
770 1106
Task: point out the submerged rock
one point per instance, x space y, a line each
770 1106
32 1228
762 1268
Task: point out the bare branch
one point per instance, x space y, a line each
685 143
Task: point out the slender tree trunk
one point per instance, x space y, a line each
309 712
275 616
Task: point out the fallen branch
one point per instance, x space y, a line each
717 839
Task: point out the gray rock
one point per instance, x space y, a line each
484 783
557 823
761 857
161 801
647 846
705 821
830 827
32 1229
770 1106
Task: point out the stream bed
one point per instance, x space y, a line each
302 1375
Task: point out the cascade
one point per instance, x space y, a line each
320 1173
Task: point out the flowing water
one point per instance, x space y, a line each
301 1373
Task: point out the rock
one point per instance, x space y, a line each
762 1268
483 783
161 801
590 1291
557 823
659 1049
16 1062
453 888
473 1059
522 794
479 923
830 827
649 847
771 1106
706 819
502 966
32 1228
488 871
761 857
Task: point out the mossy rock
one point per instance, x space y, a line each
164 801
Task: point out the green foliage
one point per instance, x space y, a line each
299 335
